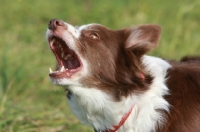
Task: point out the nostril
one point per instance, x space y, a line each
54 23
59 23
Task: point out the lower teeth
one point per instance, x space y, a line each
62 69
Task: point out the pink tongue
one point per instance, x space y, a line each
72 64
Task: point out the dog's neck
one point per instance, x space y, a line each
123 120
96 108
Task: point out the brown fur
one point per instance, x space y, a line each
115 64
184 85
119 75
119 71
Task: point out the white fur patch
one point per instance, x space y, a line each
145 116
97 109
83 27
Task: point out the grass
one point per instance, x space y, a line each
28 100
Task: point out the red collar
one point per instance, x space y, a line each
124 118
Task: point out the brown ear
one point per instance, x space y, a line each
142 39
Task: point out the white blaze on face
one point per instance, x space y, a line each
73 30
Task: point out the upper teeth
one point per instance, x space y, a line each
63 54
52 41
68 57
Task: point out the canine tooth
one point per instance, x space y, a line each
53 40
51 43
62 69
50 70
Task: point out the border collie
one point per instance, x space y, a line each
114 87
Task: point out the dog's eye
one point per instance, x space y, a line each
94 36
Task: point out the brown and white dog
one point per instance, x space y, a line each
114 86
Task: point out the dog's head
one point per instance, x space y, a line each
95 56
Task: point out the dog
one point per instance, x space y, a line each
114 87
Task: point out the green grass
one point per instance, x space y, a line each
28 100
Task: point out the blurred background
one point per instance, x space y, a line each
28 100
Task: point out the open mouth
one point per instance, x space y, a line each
67 59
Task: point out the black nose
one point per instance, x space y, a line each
54 23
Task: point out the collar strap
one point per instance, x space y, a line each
124 118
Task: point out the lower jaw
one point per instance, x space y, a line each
60 75
66 74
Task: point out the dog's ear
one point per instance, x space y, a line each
142 39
